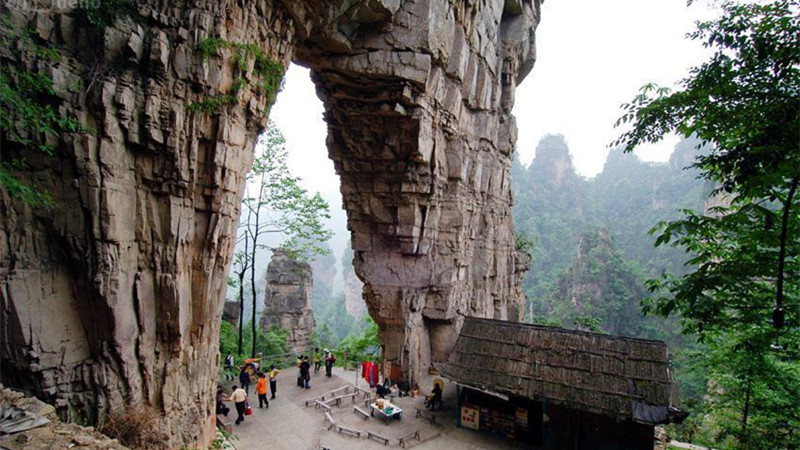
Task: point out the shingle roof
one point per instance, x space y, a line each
613 376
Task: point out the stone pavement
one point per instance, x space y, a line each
289 425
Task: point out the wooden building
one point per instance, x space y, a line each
553 388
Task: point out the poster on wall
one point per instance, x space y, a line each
469 417
522 417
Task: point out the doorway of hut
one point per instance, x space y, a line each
516 418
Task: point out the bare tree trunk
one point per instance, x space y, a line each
253 266
241 286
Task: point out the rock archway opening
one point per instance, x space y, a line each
114 297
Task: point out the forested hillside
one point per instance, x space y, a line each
555 210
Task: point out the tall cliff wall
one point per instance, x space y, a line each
115 294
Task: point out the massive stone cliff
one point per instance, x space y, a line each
114 295
418 96
287 300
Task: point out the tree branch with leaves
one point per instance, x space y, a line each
743 295
276 204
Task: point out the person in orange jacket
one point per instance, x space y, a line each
261 388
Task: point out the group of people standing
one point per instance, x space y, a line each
304 366
240 393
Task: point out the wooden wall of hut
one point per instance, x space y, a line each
571 429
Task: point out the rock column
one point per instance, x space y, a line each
418 97
287 300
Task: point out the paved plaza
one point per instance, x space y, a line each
289 424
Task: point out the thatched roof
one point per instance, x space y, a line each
608 375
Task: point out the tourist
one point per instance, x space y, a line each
273 383
382 391
261 389
230 370
415 390
305 372
329 360
435 401
221 398
239 399
299 372
317 360
244 379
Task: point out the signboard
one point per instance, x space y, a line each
522 417
469 418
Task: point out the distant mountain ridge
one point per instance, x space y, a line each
558 209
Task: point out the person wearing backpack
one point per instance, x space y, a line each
244 378
329 360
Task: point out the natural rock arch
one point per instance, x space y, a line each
115 295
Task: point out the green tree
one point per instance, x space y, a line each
743 295
275 203
364 345
30 122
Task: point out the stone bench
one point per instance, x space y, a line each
314 400
361 412
377 438
366 393
413 435
426 415
344 389
329 418
224 423
323 405
352 431
341 397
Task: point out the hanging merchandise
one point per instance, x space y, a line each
374 374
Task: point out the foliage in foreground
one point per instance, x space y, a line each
29 116
742 296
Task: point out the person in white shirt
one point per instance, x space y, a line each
239 398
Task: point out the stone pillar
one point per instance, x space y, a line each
287 300
418 97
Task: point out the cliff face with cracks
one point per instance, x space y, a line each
418 97
115 294
287 300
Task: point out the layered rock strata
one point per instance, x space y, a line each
353 286
114 295
231 311
418 98
287 300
